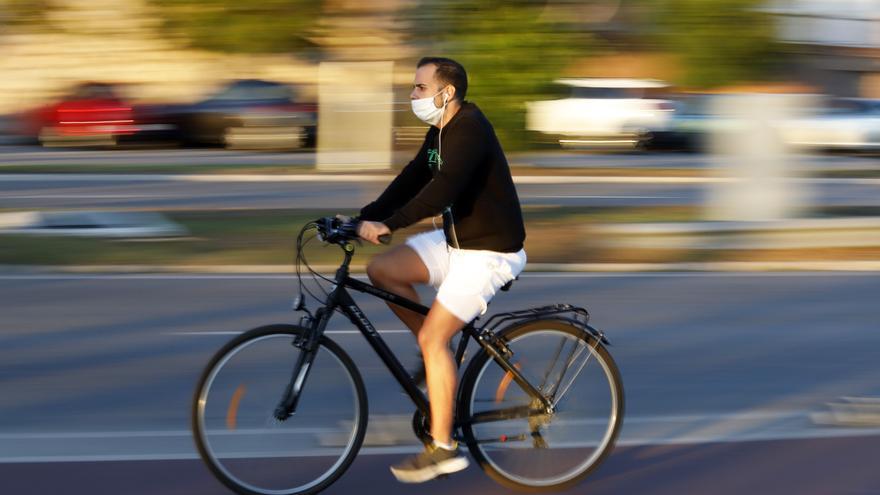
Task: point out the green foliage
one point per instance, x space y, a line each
718 41
236 26
511 50
24 12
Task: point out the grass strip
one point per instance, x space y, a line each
267 237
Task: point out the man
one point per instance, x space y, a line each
461 173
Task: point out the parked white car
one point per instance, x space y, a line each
601 112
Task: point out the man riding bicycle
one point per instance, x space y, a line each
461 173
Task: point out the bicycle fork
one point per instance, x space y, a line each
287 406
308 346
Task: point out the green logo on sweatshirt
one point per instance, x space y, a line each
434 160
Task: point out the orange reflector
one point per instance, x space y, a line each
232 412
505 382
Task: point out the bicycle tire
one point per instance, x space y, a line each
233 424
576 438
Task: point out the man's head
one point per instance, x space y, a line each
440 75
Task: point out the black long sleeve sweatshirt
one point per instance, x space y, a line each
470 184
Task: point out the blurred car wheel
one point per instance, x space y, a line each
50 137
257 138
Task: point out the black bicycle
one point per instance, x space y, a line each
282 409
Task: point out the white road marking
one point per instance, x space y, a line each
83 196
329 332
97 446
518 179
292 276
587 196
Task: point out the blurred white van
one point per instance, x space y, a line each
601 112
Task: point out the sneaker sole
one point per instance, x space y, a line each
431 472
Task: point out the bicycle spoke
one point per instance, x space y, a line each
556 399
237 432
509 431
562 342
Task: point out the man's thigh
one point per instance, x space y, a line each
400 264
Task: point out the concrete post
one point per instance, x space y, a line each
749 155
354 115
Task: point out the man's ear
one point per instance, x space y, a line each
449 94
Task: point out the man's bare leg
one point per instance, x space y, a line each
397 271
439 327
445 458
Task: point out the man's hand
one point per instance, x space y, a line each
370 231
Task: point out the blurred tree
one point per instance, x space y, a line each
512 51
24 12
236 26
718 42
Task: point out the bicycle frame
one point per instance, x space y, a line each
340 299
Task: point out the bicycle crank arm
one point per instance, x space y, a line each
536 438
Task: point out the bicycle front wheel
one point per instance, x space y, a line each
246 447
515 440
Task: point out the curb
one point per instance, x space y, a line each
710 266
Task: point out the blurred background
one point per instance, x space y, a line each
635 73
765 113
703 175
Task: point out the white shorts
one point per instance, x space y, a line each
465 279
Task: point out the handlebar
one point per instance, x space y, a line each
336 231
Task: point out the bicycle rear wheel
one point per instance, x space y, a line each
515 441
246 447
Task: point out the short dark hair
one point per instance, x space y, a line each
448 72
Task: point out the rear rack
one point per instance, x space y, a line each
566 312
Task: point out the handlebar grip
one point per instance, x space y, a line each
385 238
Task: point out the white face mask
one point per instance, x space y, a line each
426 111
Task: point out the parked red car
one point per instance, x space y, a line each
92 114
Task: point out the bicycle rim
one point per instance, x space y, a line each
538 451
253 453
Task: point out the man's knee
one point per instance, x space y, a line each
425 340
381 270
431 341
375 270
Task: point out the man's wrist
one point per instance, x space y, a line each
392 222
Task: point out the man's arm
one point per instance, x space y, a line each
463 150
411 180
